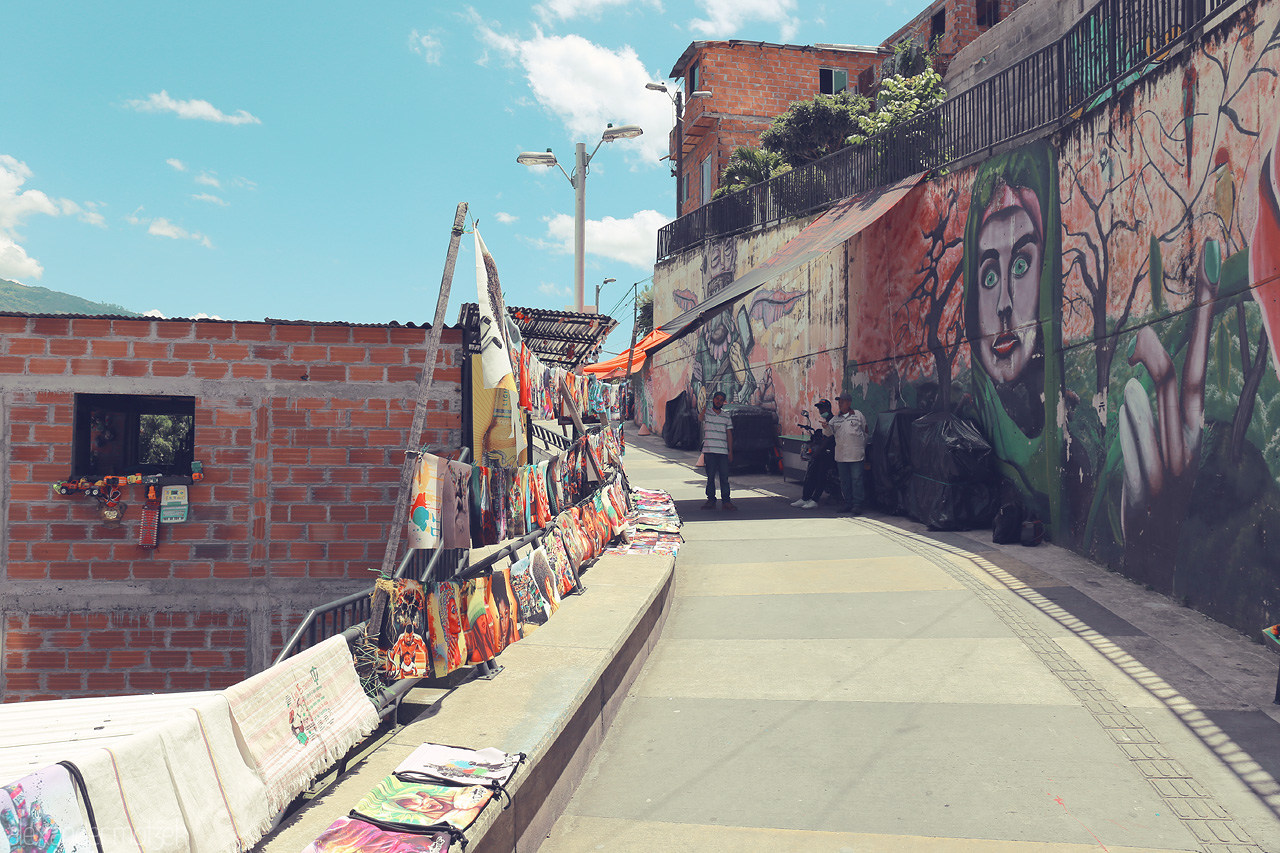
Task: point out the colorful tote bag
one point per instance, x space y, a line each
499 503
534 610
545 578
455 505
406 655
39 813
480 506
424 508
444 625
457 765
560 565
399 804
350 835
477 623
504 610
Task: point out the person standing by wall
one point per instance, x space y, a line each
717 450
821 460
849 429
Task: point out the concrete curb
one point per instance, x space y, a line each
557 695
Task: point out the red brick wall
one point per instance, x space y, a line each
301 429
749 85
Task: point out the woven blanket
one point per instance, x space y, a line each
223 800
490 767
132 791
40 814
348 835
421 805
300 716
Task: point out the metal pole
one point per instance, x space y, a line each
579 225
679 153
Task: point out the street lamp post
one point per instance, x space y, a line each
598 286
678 100
578 180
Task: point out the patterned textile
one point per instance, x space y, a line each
534 610
300 716
481 512
545 579
504 609
422 805
349 835
490 767
477 623
424 509
455 505
39 814
444 624
559 559
500 503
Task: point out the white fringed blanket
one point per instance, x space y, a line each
299 717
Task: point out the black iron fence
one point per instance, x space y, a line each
1115 43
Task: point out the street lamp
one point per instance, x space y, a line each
677 98
578 180
598 286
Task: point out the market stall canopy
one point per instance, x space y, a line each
558 338
617 366
825 233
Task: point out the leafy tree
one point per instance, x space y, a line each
644 312
164 439
810 130
900 99
748 166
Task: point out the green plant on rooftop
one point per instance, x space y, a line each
810 130
749 166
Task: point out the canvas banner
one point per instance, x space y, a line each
495 345
425 506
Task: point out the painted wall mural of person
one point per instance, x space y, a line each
1012 286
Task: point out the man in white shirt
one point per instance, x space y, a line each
717 450
849 428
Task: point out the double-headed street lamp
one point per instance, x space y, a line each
578 180
677 98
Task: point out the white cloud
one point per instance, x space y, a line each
203 316
15 263
548 288
177 164
208 179
244 184
632 241
212 199
505 218
155 312
725 17
17 205
161 227
427 46
161 102
567 9
587 86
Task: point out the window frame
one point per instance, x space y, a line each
706 177
132 407
836 74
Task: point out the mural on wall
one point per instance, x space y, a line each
765 350
1102 305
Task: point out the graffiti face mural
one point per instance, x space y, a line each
1010 247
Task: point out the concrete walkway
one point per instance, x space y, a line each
837 684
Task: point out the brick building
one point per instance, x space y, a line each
749 82
300 428
948 26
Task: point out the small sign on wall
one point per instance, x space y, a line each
173 504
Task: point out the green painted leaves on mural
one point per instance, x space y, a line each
1222 354
1156 272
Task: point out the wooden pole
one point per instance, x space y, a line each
424 389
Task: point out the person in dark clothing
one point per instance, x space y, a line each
821 461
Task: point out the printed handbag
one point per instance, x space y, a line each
351 835
459 765
405 806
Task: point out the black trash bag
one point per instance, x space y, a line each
1007 528
890 453
953 482
681 429
1032 532
755 436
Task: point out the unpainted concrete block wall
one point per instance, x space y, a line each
301 429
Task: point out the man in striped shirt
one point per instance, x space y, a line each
717 450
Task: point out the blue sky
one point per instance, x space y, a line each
304 160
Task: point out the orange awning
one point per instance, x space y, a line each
617 366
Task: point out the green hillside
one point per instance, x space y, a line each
42 300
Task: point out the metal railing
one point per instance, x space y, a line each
1111 46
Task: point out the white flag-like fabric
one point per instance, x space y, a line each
495 346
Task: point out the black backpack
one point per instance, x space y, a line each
1007 527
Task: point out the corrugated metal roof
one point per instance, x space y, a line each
37 734
560 338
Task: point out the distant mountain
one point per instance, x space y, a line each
42 300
